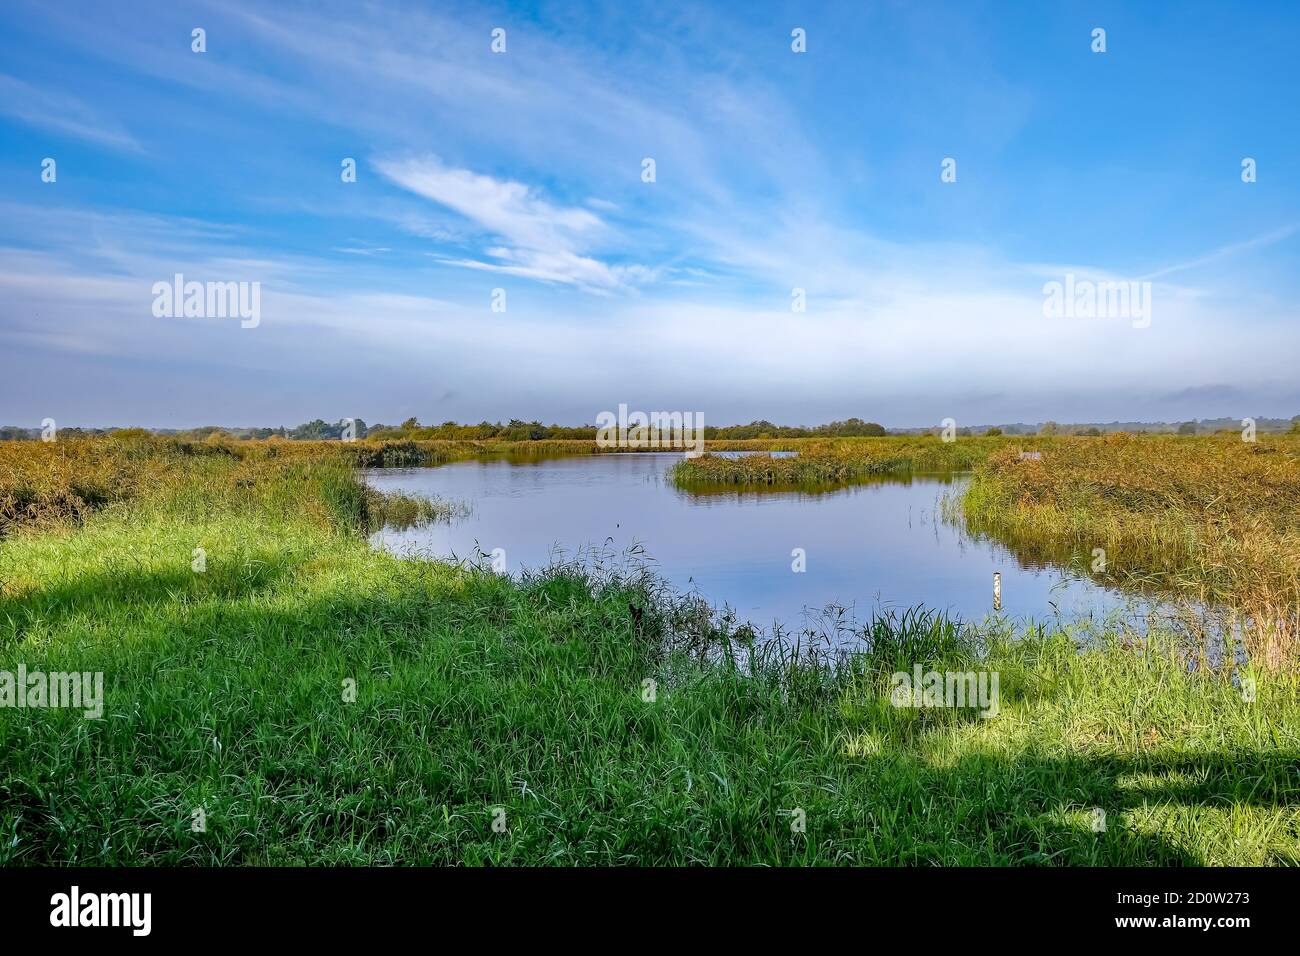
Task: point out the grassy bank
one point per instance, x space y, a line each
1205 520
43 483
481 699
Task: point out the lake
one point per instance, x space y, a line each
870 546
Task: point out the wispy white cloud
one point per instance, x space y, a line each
363 250
541 240
1223 252
836 358
62 113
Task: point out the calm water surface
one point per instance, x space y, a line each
868 546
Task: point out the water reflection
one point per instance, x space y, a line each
771 554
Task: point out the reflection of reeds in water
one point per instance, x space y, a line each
1210 525
399 511
836 461
703 488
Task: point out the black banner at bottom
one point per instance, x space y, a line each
335 905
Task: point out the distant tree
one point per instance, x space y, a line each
313 431
1187 428
1295 424
994 432
1049 428
1092 432
519 430
856 427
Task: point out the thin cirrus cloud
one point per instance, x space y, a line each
61 113
1232 249
535 238
776 172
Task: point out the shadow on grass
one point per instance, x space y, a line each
180 586
1102 810
476 692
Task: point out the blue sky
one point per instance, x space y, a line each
522 171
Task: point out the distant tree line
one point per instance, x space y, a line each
519 430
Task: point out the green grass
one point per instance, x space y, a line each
224 691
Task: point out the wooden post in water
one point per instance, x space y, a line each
997 590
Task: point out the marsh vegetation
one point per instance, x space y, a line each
477 693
